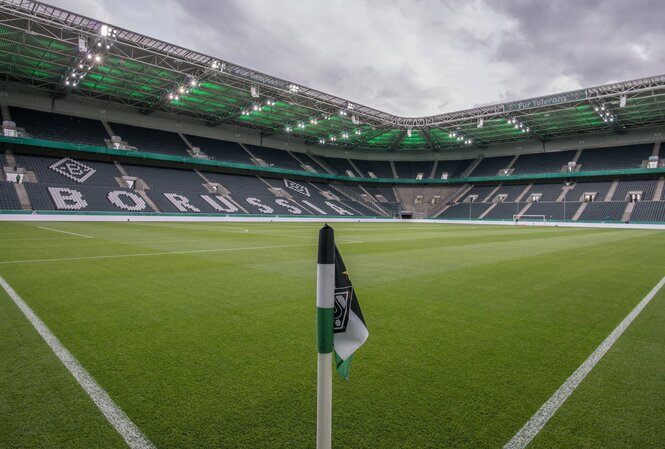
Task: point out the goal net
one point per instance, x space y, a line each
530 218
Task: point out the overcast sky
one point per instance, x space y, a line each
416 57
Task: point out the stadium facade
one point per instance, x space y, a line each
105 120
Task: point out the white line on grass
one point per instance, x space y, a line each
162 253
549 408
66 232
116 417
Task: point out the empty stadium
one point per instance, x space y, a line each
160 208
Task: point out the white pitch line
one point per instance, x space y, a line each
163 253
132 435
549 408
66 232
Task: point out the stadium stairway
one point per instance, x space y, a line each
23 197
580 211
658 194
627 212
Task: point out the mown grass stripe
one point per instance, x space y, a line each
527 433
132 435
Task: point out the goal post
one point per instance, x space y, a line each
530 219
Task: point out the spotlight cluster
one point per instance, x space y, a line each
460 138
182 89
605 112
81 68
519 125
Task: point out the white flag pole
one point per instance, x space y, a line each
325 307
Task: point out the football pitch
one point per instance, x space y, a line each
204 334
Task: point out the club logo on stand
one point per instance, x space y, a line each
72 169
301 189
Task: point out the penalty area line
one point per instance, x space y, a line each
66 232
132 435
527 433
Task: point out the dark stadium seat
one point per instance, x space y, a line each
8 198
629 156
542 162
65 128
72 171
275 158
221 150
454 168
603 211
490 166
410 169
151 140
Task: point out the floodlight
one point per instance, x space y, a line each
89 56
408 132
104 31
98 58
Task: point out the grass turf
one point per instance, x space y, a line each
204 334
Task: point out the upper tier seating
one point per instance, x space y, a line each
600 187
481 191
410 169
8 198
275 158
646 186
629 156
490 166
453 168
151 140
542 162
513 191
65 128
69 171
387 192
549 192
221 150
381 169
338 165
306 159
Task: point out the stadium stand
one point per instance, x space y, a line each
151 140
82 198
65 128
453 168
511 191
409 170
600 187
648 212
504 211
629 156
69 171
490 166
549 192
554 211
482 192
603 211
542 162
646 186
381 169
465 210
221 150
306 159
167 178
338 165
8 198
275 158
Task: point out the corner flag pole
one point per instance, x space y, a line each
325 306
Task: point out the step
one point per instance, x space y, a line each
627 212
23 197
489 209
610 192
148 201
579 211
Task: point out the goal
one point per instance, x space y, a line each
530 219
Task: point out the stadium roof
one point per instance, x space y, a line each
68 54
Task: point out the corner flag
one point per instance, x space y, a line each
340 329
350 331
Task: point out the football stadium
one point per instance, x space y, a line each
172 232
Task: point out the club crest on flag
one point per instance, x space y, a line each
343 298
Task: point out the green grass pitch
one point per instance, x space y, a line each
204 334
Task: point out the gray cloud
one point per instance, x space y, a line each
412 58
